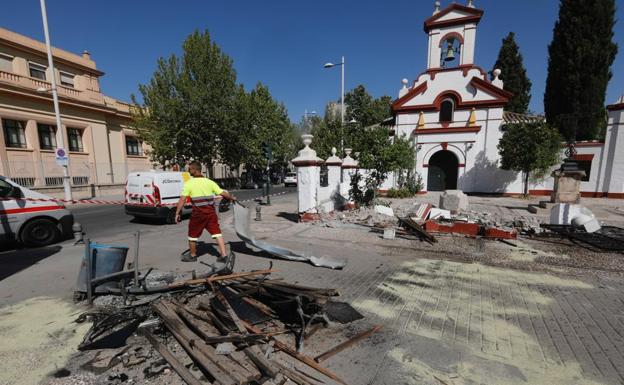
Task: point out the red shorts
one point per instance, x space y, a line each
204 217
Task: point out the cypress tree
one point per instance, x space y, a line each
514 75
579 67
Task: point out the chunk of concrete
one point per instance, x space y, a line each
454 200
384 210
588 223
437 213
563 213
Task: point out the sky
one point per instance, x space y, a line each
284 43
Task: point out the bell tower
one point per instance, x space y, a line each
452 34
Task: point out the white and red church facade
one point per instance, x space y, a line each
454 115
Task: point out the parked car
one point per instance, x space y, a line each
29 222
290 179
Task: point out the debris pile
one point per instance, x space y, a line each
240 328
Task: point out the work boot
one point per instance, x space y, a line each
187 257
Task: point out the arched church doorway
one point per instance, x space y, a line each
442 174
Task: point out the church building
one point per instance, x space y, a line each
454 114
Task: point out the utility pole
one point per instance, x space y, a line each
61 137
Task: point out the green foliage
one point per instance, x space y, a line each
514 75
411 181
194 110
579 67
530 148
364 109
399 193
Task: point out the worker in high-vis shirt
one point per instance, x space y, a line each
203 193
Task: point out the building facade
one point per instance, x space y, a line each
96 128
454 115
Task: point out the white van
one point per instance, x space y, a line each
30 222
155 194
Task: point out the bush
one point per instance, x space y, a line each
411 181
399 193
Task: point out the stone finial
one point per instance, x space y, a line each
86 55
403 89
621 100
436 7
333 160
472 121
307 140
307 156
496 81
348 161
421 120
470 4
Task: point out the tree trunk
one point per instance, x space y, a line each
526 183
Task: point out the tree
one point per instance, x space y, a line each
530 148
364 109
579 67
514 75
188 103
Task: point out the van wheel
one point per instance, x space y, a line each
171 217
40 232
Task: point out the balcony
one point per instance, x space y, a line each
32 83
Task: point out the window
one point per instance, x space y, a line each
5 188
585 165
446 111
47 136
133 146
74 135
37 71
14 135
67 79
6 63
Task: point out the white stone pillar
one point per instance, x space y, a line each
349 167
308 180
334 165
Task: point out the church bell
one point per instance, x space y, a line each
450 52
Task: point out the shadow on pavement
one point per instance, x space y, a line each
14 261
289 216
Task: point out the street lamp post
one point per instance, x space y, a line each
61 137
342 105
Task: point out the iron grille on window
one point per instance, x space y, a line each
14 135
24 181
54 180
80 180
133 146
47 136
75 139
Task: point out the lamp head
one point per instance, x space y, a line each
42 89
329 65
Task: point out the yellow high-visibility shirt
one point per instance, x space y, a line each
201 187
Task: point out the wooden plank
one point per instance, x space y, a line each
208 333
253 352
418 230
182 371
221 368
342 346
200 281
292 375
301 357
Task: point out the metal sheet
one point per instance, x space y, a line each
242 220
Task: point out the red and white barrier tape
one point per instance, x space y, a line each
103 202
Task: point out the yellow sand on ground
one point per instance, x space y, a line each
38 336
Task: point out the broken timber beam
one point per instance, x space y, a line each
253 352
418 230
182 371
224 370
199 281
342 346
301 357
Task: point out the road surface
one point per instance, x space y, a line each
104 221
